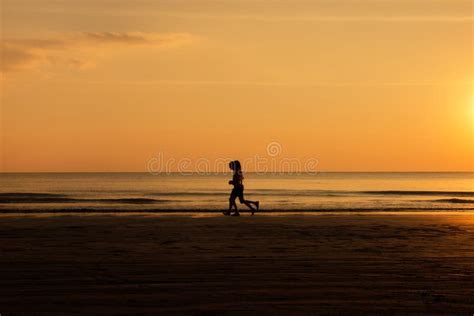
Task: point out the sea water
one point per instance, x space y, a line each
125 192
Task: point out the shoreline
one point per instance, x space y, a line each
243 212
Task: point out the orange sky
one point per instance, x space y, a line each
359 85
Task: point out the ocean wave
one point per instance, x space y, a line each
458 201
159 197
323 193
204 210
30 195
37 198
260 192
126 201
422 193
210 193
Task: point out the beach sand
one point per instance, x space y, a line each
312 264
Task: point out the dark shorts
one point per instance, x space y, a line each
237 192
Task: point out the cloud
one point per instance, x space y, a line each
69 50
13 58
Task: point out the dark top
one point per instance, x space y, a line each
237 180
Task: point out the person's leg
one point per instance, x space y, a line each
236 212
248 204
233 196
245 202
232 203
253 202
237 194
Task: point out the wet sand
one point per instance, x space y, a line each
321 264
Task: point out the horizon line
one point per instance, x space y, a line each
225 172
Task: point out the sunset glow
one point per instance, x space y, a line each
99 85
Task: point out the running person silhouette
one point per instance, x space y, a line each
238 190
